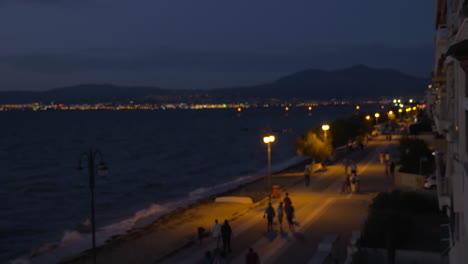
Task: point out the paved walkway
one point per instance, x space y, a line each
320 210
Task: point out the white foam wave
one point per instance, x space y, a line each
74 242
70 237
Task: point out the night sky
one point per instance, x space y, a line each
190 44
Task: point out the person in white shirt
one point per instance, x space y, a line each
216 232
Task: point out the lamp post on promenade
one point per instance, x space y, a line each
377 115
268 140
101 170
325 129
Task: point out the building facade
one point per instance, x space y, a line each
447 101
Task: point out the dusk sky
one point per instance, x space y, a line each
191 44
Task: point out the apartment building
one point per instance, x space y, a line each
447 100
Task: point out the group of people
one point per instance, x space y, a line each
351 182
284 207
390 165
222 234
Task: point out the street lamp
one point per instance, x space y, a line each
268 140
101 170
368 117
376 118
325 128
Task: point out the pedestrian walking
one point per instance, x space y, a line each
280 211
392 169
354 183
216 232
286 201
226 232
201 234
346 166
252 257
387 157
346 187
381 157
270 214
353 167
387 162
290 216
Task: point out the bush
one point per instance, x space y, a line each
424 124
310 144
415 156
342 130
393 221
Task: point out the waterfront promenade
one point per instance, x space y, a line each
320 210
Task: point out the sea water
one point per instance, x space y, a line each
158 161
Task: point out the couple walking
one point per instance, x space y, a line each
351 181
222 233
284 207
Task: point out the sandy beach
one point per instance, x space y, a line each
174 231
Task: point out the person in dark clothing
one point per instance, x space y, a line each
270 214
392 168
286 201
252 257
201 234
226 232
346 187
290 216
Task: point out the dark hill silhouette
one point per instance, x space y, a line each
355 82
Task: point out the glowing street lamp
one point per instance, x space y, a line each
368 117
358 107
325 128
268 140
377 115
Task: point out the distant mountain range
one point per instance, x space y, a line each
355 82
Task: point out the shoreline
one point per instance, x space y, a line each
247 189
258 197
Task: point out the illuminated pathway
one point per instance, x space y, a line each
320 210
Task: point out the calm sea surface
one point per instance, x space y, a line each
156 159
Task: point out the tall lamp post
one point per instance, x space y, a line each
325 129
377 115
268 140
101 170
